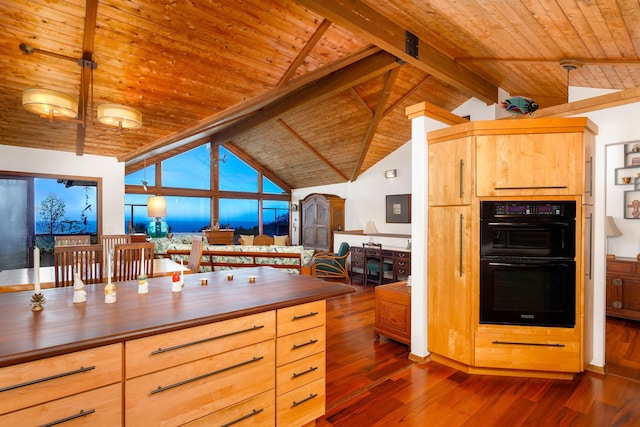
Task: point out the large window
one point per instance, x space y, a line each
203 189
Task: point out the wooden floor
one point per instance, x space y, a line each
373 383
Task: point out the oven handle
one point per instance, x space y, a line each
536 264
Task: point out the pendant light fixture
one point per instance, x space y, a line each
49 103
570 65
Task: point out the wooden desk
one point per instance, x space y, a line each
401 259
22 279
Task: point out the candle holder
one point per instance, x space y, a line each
37 301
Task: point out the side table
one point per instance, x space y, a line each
393 312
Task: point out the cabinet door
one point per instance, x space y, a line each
531 164
451 172
449 282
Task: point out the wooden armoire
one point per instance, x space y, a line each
321 215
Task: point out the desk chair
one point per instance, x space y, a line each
86 260
72 240
132 259
195 254
374 262
327 265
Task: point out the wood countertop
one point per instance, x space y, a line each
63 327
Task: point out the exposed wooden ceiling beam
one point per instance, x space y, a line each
320 90
308 47
374 27
378 115
207 126
596 103
86 73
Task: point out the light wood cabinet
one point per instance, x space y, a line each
450 317
451 172
530 159
301 364
322 214
393 312
171 377
84 384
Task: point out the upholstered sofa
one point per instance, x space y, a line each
224 257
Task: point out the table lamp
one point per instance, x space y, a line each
157 208
370 229
611 231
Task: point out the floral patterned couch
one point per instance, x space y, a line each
225 257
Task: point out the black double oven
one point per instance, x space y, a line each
527 263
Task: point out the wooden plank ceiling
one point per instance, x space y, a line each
313 90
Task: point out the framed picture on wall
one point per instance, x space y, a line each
399 208
632 204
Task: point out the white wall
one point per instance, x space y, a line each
30 160
366 196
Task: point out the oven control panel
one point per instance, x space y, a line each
492 209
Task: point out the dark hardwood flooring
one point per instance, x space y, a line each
372 383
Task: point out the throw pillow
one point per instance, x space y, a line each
280 240
246 240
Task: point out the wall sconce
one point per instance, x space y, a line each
390 173
611 230
157 208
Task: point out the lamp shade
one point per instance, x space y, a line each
370 228
610 228
49 103
120 116
156 207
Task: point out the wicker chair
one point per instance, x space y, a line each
327 265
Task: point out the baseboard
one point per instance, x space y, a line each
419 359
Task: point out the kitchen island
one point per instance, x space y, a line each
212 353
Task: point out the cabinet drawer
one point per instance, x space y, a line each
516 351
187 392
99 407
357 256
402 271
301 317
301 405
297 346
43 380
161 351
621 267
300 372
405 256
257 411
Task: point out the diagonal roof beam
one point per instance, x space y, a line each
374 27
385 93
322 89
208 125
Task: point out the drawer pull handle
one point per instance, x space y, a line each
308 371
536 344
311 314
296 346
558 187
179 346
617 282
244 417
82 413
306 399
53 377
199 377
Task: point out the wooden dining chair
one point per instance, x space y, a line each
73 240
195 254
109 242
86 260
132 259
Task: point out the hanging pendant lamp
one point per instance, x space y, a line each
49 103
120 116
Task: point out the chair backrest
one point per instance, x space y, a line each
195 256
109 242
132 259
342 251
263 240
373 253
73 240
86 260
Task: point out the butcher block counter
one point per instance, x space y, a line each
230 351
